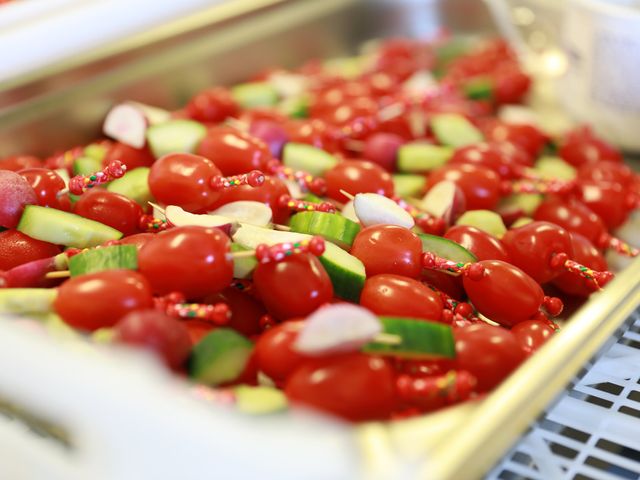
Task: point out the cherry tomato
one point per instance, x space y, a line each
608 200
16 248
156 332
356 387
197 329
268 193
388 249
480 185
234 152
130 156
275 355
581 146
15 194
355 176
47 184
510 84
192 260
606 171
526 136
101 299
478 242
184 180
388 294
19 162
111 209
571 215
489 353
505 294
139 240
533 246
532 334
585 253
245 310
448 284
314 132
294 287
212 105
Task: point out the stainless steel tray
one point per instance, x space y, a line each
63 105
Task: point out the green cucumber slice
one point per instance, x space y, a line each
135 185
175 136
479 88
347 273
422 157
221 356
64 228
295 107
243 267
455 130
408 185
420 339
331 226
86 165
107 258
255 94
21 301
443 247
301 156
95 150
486 220
310 197
451 50
259 400
550 167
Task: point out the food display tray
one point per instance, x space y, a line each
123 418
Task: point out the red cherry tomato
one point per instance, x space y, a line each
480 185
526 136
585 253
571 215
533 246
275 355
19 162
234 152
505 294
245 310
606 171
388 249
184 180
608 200
130 156
356 387
197 329
355 176
139 240
581 146
212 105
17 248
400 296
15 194
489 353
47 184
294 287
191 260
448 284
101 299
510 84
532 334
314 132
478 242
156 332
111 209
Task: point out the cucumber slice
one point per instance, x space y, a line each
295 107
479 88
86 165
422 157
243 267
420 339
175 136
22 301
455 130
107 258
64 228
347 273
310 197
485 220
95 150
527 202
550 167
446 248
301 156
135 185
259 400
255 94
408 185
331 226
219 357
521 222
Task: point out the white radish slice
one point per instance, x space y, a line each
444 200
375 209
294 189
246 211
126 123
337 328
420 83
348 211
288 84
181 218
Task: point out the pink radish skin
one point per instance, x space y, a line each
382 148
270 133
15 194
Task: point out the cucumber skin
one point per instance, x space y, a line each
313 223
114 257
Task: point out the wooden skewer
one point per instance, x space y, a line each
282 228
62 192
59 274
157 207
347 194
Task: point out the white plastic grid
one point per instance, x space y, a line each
593 431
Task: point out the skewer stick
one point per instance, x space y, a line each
282 228
59 274
347 194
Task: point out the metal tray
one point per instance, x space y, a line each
63 105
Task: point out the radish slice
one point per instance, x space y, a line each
348 211
246 211
294 189
337 328
375 209
153 115
126 123
444 200
178 217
